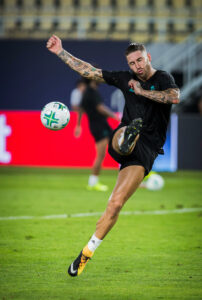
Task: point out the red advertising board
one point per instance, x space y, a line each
24 141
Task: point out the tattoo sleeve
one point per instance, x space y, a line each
169 96
83 68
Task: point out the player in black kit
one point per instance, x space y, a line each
149 94
97 113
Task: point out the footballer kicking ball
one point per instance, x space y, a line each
154 182
55 115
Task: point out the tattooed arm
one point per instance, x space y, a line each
85 69
169 96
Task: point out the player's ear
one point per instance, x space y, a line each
149 56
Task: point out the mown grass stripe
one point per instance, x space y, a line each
92 214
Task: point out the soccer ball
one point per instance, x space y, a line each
55 115
154 182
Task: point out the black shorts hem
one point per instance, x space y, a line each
142 155
101 132
98 139
133 163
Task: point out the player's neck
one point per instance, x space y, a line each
151 73
94 85
148 75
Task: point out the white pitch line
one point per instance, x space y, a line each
125 213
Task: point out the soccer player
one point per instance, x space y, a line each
97 114
135 144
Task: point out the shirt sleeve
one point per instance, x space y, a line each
75 97
167 81
112 78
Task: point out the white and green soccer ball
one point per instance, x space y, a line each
55 115
154 182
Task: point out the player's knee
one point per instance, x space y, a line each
115 206
114 209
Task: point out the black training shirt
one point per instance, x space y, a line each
90 100
155 115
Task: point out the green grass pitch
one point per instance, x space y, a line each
143 257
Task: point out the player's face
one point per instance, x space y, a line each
82 87
139 63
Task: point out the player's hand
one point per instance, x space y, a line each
54 44
77 131
135 86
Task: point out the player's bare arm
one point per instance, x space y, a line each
104 110
169 96
85 69
80 114
77 130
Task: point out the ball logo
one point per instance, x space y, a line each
5 130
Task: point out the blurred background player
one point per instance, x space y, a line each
97 113
77 94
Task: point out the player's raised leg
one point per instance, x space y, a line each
128 181
125 138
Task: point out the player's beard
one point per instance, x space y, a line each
146 72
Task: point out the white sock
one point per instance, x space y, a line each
93 179
94 243
120 140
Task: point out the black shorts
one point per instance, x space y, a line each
100 131
142 155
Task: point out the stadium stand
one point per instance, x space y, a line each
145 20
176 25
